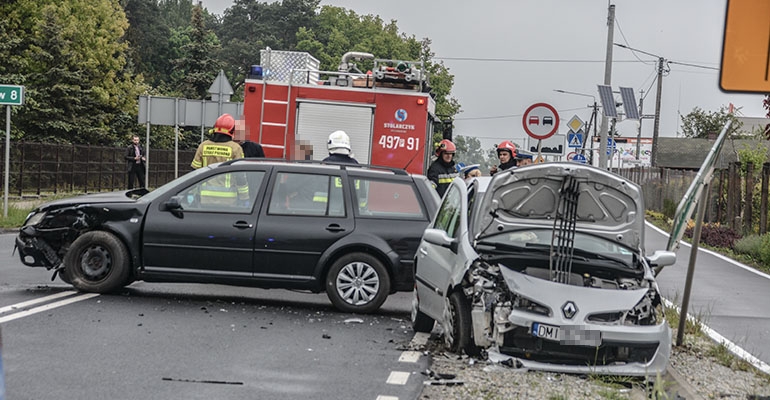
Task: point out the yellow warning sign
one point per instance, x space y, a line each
746 47
539 160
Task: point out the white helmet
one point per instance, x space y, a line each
339 143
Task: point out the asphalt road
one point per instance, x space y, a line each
185 341
730 299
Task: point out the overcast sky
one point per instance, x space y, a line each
509 54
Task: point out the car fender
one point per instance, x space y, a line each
366 243
129 234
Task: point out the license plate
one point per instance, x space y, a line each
544 331
568 335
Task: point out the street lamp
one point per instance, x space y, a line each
592 121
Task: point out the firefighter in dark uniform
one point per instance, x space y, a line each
442 171
506 153
339 148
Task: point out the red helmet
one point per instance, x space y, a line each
445 146
508 146
225 124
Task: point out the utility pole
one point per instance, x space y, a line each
607 81
641 117
656 128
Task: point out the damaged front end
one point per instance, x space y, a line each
48 233
586 324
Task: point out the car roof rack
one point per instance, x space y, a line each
396 171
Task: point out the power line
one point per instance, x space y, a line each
508 116
527 60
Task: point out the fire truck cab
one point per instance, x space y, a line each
387 112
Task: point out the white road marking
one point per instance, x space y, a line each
381 397
730 260
398 378
420 339
715 336
410 356
25 304
47 307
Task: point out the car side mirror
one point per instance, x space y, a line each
174 205
661 258
439 238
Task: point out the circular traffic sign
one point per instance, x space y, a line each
540 121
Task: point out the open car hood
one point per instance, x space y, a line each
607 205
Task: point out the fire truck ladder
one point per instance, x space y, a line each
562 241
275 99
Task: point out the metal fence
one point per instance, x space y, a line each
42 169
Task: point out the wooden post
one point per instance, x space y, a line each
763 200
748 200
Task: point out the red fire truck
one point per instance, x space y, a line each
387 112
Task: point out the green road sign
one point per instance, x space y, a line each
11 95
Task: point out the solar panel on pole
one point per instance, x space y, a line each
608 101
629 102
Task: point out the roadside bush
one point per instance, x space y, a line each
764 251
750 245
669 208
716 235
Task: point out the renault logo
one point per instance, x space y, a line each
569 309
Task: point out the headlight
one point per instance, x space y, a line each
34 218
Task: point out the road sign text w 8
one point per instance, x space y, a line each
11 95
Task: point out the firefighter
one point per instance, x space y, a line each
339 148
224 189
442 171
506 153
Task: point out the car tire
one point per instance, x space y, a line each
420 321
357 283
97 262
457 325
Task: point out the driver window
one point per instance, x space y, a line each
225 192
448 218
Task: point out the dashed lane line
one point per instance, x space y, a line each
410 356
25 304
398 378
47 307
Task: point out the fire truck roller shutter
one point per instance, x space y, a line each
316 120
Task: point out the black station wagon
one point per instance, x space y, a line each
349 230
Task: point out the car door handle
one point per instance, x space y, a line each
334 228
423 251
242 225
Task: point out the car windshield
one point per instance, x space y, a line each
585 246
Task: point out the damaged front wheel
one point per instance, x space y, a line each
97 262
458 326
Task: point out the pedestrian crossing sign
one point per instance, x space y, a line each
575 139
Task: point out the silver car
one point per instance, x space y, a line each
545 265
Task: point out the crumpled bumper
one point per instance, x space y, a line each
35 252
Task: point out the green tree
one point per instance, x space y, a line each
71 57
700 124
469 151
197 66
148 35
